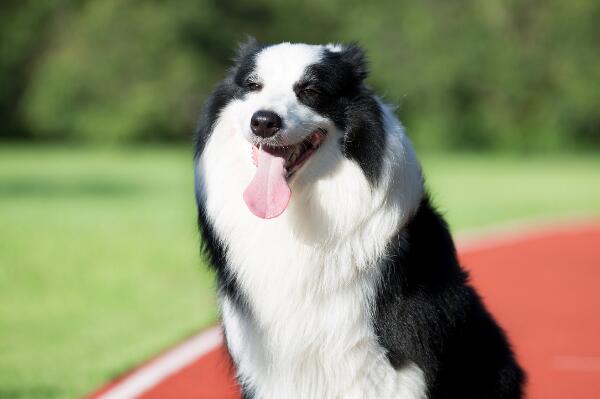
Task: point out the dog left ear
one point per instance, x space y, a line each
354 55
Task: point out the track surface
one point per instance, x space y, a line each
542 287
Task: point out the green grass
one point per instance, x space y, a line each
99 267
476 191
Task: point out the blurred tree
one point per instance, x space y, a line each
500 74
23 28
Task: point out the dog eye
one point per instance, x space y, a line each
312 90
253 86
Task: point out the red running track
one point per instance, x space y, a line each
541 286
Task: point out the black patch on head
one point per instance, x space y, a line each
334 87
427 313
245 63
235 85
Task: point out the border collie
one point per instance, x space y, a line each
336 276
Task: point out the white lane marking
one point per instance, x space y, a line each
165 365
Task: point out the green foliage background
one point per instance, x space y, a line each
114 274
496 74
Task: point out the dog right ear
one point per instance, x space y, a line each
249 46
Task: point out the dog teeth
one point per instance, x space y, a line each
311 143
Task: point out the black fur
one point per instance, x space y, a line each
426 312
245 63
343 97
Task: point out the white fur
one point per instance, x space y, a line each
309 274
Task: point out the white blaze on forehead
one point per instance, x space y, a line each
280 66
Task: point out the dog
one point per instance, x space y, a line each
336 276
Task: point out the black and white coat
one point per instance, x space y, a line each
355 290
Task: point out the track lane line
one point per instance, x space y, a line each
163 366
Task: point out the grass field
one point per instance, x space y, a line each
99 266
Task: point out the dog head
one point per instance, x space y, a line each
303 112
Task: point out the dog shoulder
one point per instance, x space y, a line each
427 312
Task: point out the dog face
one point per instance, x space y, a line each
280 95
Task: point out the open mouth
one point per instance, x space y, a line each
268 194
295 155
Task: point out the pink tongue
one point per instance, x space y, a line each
268 193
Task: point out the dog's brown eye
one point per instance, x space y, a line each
253 86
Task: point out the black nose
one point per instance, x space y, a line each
265 123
